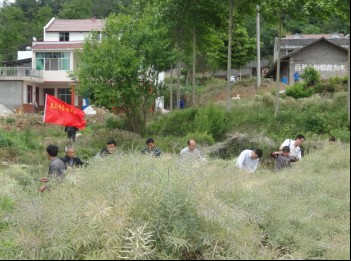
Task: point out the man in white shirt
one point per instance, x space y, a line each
248 160
294 145
191 152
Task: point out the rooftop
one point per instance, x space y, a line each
75 25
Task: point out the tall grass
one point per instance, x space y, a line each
130 206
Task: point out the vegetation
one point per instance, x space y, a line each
130 206
133 207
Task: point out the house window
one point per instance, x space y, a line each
52 61
64 37
29 94
65 95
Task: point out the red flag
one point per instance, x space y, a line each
61 113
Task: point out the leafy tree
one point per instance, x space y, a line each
44 14
121 71
12 31
76 9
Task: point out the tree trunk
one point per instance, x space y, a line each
194 67
229 60
258 46
278 68
171 91
348 79
178 68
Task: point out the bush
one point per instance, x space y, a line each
298 90
5 140
178 123
311 76
116 123
10 120
315 124
201 138
212 120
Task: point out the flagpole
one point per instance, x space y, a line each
46 96
42 140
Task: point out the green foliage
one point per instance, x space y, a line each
331 85
311 76
10 120
121 71
178 123
315 124
299 90
29 140
212 120
5 140
115 123
201 138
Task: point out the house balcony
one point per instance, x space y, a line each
20 74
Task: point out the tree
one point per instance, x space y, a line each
76 9
121 71
12 31
41 18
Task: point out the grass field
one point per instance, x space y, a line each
132 207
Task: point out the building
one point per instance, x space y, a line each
24 87
326 53
249 71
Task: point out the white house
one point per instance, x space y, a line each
52 60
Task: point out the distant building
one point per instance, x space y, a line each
248 71
327 53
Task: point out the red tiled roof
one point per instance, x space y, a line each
76 25
57 46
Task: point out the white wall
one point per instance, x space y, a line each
73 36
24 55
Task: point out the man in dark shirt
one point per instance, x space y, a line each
151 149
110 149
57 168
70 160
282 158
71 133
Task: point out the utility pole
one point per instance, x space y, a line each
258 47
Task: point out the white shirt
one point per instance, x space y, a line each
192 154
247 163
294 151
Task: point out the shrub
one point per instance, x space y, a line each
201 138
212 120
10 120
178 123
311 76
116 123
298 90
315 124
5 140
268 99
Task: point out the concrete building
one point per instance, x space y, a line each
24 87
326 53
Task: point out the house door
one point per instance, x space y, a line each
36 96
50 92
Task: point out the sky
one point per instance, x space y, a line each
2 1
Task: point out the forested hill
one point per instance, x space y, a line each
21 20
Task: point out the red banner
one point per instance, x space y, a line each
61 113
